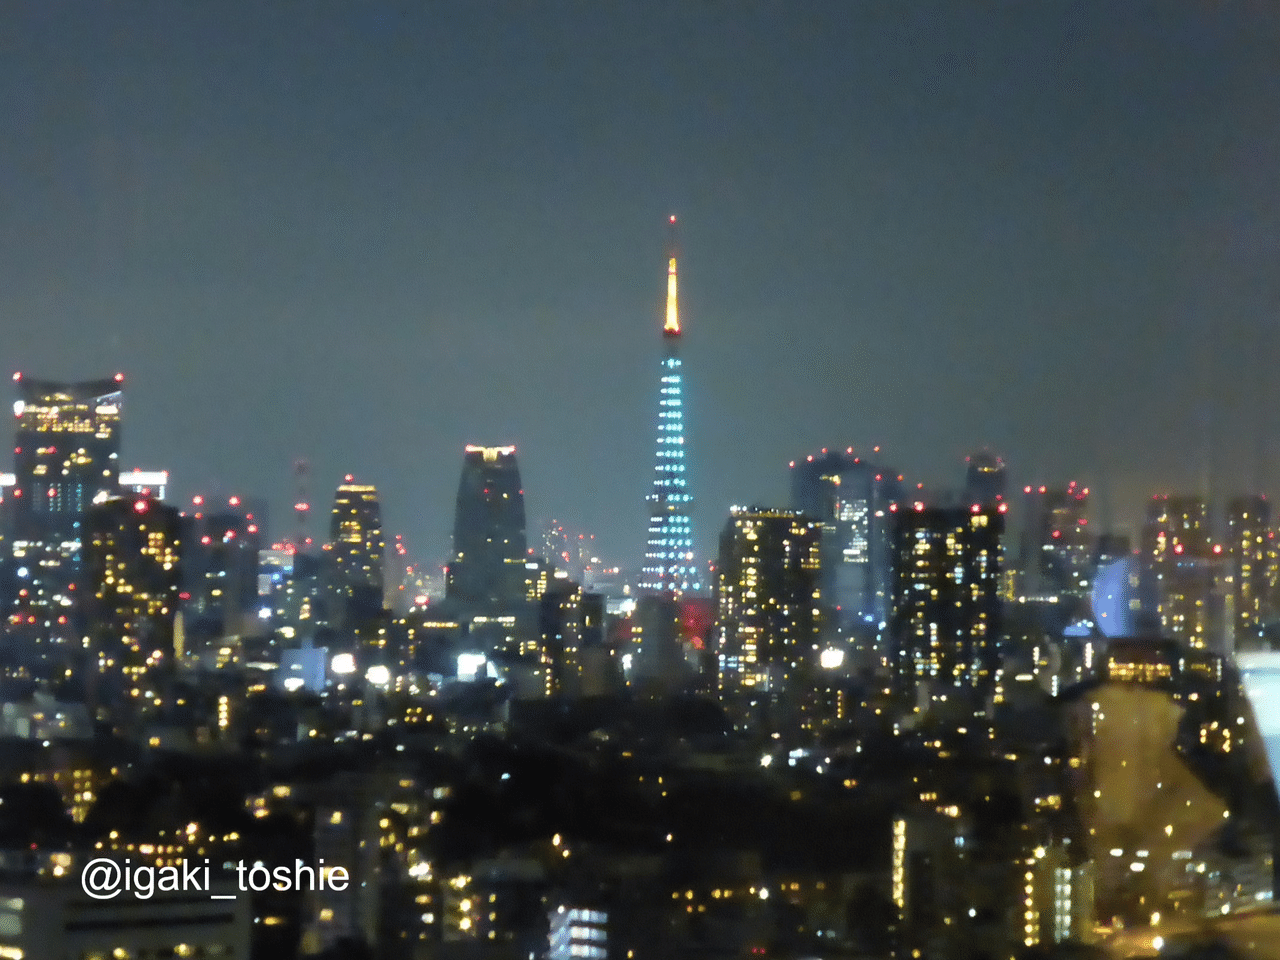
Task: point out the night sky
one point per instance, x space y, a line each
368 235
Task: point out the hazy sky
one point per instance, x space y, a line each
366 235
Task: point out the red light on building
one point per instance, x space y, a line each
197 500
119 378
253 528
140 506
234 501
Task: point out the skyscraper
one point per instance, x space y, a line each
66 458
489 538
769 600
985 478
946 596
669 565
220 544
1057 543
132 575
1248 527
1190 570
850 497
356 542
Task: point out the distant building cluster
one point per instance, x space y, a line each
881 721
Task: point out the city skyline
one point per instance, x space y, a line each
340 239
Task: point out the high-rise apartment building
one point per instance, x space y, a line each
66 458
1190 570
946 596
487 572
1249 546
770 609
132 576
669 565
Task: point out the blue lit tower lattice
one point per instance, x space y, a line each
669 566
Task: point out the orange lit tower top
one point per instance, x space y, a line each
671 328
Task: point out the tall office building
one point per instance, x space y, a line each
1057 555
669 565
131 577
985 478
489 538
66 458
946 596
851 499
221 541
769 600
357 548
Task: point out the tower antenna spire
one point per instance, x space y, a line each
671 327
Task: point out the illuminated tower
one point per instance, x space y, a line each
669 566
489 539
66 458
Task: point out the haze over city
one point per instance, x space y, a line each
370 237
